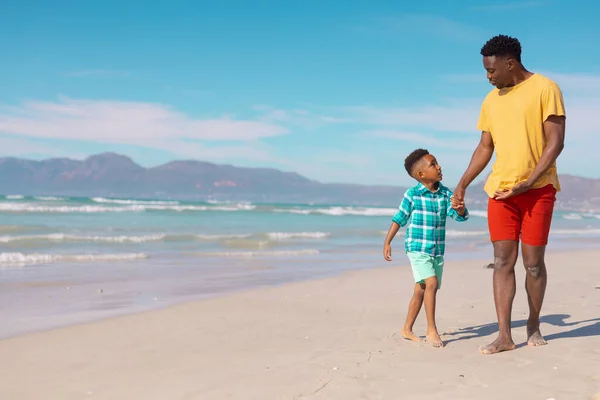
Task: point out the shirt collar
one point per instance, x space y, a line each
422 188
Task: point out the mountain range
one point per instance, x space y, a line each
115 175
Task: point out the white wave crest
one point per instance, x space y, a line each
266 253
478 213
37 258
14 196
294 235
454 233
575 232
127 201
573 216
341 211
224 236
50 198
35 208
62 237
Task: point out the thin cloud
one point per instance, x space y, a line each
107 73
11 146
424 140
125 123
299 117
509 6
436 25
455 116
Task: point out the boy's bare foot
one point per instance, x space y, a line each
534 337
406 334
497 346
434 339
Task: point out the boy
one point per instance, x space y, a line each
424 209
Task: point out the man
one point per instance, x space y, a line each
523 121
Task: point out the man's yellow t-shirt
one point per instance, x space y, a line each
514 116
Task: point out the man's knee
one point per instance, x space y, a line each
534 266
504 263
533 260
505 256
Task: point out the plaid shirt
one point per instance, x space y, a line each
425 213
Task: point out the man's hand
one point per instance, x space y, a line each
458 197
459 207
519 188
387 252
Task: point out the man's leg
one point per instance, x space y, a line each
538 206
505 258
535 284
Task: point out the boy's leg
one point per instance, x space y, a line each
424 270
431 288
413 310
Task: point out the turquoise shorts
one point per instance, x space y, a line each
425 266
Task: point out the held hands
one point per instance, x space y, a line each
457 205
387 252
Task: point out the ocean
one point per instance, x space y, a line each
67 260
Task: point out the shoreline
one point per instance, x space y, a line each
330 338
108 300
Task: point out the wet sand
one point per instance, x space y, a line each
334 338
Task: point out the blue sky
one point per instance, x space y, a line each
339 91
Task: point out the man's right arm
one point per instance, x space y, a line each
480 159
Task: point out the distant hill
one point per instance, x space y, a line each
110 174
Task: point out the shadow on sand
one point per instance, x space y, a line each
591 329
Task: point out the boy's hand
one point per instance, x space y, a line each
387 252
458 206
460 210
456 203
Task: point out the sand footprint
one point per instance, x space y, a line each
471 381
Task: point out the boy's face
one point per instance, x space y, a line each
429 170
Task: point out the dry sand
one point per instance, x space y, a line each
336 338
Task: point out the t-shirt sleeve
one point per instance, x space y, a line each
484 123
552 102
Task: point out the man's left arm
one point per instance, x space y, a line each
554 130
553 113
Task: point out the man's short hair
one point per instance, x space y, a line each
413 158
502 46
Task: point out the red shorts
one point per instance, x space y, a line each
526 216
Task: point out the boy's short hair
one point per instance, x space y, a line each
412 159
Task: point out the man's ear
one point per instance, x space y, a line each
510 63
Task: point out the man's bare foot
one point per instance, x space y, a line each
434 339
497 346
535 338
406 334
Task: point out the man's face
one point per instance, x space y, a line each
499 70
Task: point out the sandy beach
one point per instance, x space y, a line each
335 338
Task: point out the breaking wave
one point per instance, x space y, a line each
37 258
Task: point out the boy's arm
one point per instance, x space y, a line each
400 219
387 246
